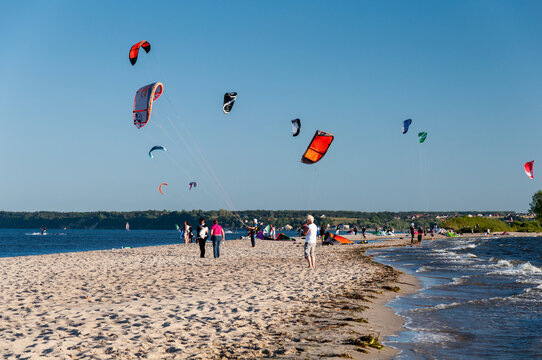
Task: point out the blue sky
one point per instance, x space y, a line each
467 72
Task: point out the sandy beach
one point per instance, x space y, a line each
164 302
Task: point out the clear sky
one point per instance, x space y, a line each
467 72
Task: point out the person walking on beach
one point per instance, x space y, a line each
355 230
420 235
412 233
202 235
217 236
363 230
186 235
310 233
252 233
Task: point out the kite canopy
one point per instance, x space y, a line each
296 127
229 99
529 167
192 184
134 50
157 147
160 187
332 239
317 148
422 136
406 124
143 101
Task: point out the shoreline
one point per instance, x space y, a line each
148 302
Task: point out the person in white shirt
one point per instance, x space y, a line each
310 232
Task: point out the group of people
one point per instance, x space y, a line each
216 234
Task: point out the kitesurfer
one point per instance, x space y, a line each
43 230
202 235
217 236
310 232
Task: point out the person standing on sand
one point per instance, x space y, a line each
355 230
420 235
363 230
310 232
186 235
252 233
411 233
202 235
217 236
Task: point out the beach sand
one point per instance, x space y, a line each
164 302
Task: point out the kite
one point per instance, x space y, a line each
317 148
229 99
422 136
296 127
192 184
143 101
160 188
529 169
406 124
157 147
134 50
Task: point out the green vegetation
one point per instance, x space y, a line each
479 224
535 206
156 219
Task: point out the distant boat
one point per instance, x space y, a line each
127 226
228 232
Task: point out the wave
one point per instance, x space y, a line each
513 268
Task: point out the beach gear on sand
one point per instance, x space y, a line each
144 98
332 239
134 50
317 148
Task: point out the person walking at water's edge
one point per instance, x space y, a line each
217 236
411 230
201 236
420 235
310 232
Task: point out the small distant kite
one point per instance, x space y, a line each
134 50
229 99
160 187
192 184
296 127
422 136
406 124
317 148
143 101
157 147
529 167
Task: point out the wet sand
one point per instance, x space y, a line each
164 302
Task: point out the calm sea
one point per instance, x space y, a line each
20 242
481 299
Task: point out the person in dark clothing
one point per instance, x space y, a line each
252 230
322 231
412 233
420 235
363 230
355 230
201 236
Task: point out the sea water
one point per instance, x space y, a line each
481 298
21 242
